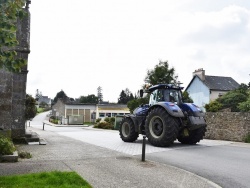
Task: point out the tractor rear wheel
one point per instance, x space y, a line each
127 130
191 136
161 128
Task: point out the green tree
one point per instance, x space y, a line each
232 100
10 12
125 96
160 74
30 107
90 99
186 98
133 104
60 95
99 94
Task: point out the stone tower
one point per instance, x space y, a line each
13 85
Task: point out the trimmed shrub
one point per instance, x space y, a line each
104 125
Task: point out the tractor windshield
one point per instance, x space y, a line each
168 95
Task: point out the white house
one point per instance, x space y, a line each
203 88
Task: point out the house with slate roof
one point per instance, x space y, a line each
203 88
44 99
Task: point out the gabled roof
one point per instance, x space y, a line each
218 83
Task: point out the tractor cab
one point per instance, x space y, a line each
165 93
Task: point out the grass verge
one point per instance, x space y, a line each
44 179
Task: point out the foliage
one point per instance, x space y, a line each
232 99
213 106
43 104
6 146
247 138
110 120
125 96
90 99
30 107
24 155
244 106
98 120
52 179
10 11
60 95
99 94
104 125
160 74
186 98
53 119
133 104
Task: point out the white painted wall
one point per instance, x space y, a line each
199 92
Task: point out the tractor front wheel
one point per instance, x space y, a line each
127 130
161 128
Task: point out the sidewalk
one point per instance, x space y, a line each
101 167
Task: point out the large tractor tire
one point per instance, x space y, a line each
161 128
191 136
127 130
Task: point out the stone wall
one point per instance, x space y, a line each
13 85
232 126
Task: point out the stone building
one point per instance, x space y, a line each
13 85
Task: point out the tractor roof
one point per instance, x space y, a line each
164 86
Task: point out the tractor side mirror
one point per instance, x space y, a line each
141 93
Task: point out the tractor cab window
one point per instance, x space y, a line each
161 95
156 96
173 96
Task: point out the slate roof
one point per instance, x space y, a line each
45 99
220 83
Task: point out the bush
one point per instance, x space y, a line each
244 106
104 125
6 146
24 155
98 120
247 138
213 106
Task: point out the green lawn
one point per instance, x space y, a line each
44 180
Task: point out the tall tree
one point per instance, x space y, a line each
30 107
90 99
125 96
99 94
160 74
10 12
60 95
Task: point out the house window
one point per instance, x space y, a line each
114 114
101 114
220 94
108 114
121 114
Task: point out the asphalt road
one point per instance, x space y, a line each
225 163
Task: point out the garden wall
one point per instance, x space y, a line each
232 126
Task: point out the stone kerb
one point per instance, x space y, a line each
232 126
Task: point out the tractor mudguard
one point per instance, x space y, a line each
171 108
192 110
196 122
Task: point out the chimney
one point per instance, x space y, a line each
200 72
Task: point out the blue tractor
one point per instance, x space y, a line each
165 119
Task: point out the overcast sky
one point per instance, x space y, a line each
79 45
